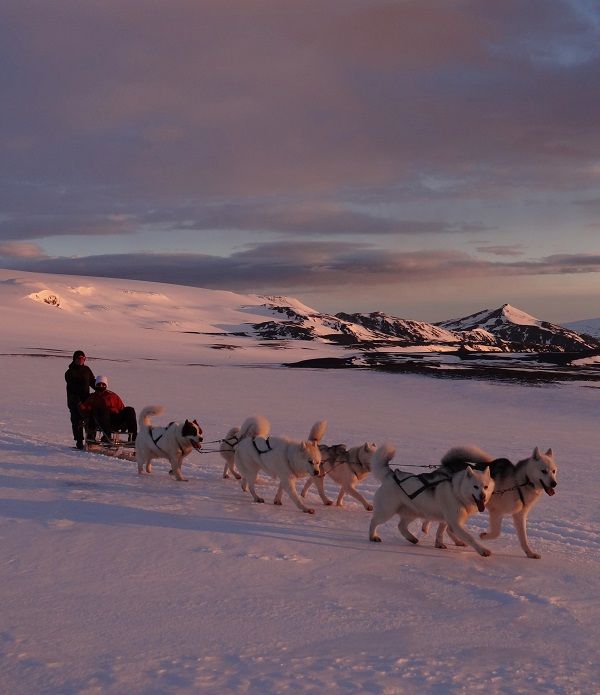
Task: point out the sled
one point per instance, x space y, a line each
117 447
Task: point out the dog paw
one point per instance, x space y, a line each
259 500
484 552
277 502
309 510
237 476
459 543
375 539
369 507
483 534
441 546
533 556
328 503
225 476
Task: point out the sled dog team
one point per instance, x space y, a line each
468 479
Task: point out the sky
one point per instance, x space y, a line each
422 157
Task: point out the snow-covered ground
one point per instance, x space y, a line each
589 326
114 583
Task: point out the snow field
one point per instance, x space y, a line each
115 583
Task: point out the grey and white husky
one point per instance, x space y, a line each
441 496
518 486
278 457
332 456
347 467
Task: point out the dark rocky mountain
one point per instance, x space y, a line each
413 332
522 332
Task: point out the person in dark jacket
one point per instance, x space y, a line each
106 409
80 379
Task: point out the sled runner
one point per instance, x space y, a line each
118 445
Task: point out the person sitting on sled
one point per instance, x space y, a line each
106 409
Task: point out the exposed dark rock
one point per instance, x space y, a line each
324 363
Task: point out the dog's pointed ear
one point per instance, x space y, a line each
536 453
303 446
549 452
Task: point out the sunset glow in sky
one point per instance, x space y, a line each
426 158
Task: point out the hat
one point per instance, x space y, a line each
78 353
102 380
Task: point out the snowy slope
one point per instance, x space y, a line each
113 583
189 324
202 320
587 326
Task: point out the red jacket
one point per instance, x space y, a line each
102 399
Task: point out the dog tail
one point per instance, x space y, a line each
233 432
317 431
255 426
465 454
380 465
148 412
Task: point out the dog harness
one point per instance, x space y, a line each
155 441
232 441
505 463
267 443
517 487
425 481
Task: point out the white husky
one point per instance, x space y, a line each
227 451
347 469
278 457
436 496
173 442
518 486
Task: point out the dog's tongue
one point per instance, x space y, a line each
480 504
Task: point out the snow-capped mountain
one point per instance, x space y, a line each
520 331
586 327
384 325
292 319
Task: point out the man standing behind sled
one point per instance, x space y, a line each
80 379
108 411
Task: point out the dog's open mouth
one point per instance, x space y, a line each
195 444
548 490
480 502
